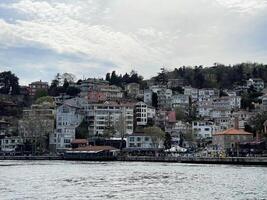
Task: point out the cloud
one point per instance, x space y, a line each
99 36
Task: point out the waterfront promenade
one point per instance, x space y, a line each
200 160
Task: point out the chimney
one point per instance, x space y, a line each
236 123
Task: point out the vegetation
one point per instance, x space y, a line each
120 80
216 76
9 83
81 131
155 133
43 99
256 123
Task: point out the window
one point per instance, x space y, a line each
138 139
207 129
131 139
146 138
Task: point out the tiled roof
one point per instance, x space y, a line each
233 131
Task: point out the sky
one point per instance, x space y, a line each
39 38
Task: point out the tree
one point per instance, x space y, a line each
180 114
43 99
70 78
82 131
256 123
162 77
72 91
9 83
168 141
154 100
156 134
40 93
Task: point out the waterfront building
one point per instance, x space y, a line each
143 141
203 129
230 139
110 117
37 85
68 117
10 144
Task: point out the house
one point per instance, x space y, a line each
192 92
180 100
10 144
264 103
242 117
96 96
91 84
68 117
112 92
231 102
148 96
132 89
257 83
230 139
143 113
203 129
4 127
143 141
206 94
37 85
164 98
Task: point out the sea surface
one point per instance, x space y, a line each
129 180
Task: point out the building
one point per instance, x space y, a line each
68 117
264 103
36 126
10 144
143 113
180 100
203 129
143 141
257 83
38 85
164 98
231 102
115 118
91 84
96 96
148 96
133 90
192 92
111 92
230 139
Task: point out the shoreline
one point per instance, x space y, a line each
262 161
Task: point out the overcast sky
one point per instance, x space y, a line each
89 38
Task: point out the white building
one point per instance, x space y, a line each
110 114
143 141
257 83
203 129
180 100
10 144
143 113
112 92
68 117
148 96
264 103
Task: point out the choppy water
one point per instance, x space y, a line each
129 180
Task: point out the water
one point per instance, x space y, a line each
129 180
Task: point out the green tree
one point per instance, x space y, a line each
9 83
81 131
156 135
43 99
168 141
40 93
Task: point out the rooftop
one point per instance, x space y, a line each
233 131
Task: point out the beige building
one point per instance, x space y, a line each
230 139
